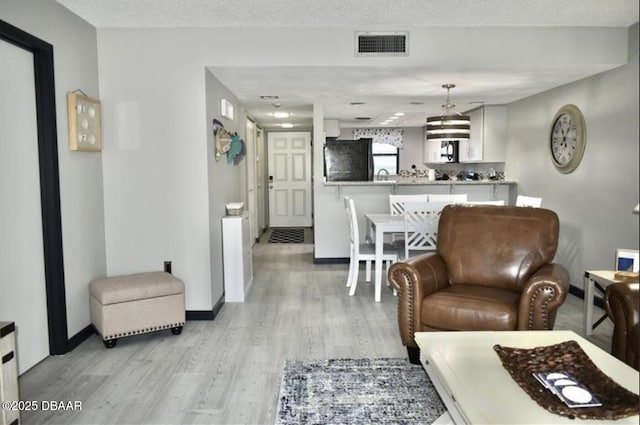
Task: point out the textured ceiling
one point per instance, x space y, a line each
345 13
383 90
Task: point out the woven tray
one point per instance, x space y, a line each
617 402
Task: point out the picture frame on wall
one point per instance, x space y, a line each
84 122
627 260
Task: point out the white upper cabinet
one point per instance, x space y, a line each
331 128
432 153
488 138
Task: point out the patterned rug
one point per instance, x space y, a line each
356 391
287 235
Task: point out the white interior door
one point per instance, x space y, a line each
22 280
289 179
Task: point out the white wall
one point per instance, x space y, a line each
594 202
81 191
226 181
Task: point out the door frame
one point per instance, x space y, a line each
44 81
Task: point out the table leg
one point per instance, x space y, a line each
378 263
588 304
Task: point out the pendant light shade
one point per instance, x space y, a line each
450 125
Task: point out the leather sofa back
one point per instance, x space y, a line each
498 246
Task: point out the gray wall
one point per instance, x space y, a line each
81 184
594 202
226 181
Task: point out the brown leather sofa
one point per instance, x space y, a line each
622 303
492 271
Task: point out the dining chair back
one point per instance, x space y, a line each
449 198
396 202
528 201
362 251
484 203
421 226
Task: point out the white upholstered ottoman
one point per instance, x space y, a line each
135 304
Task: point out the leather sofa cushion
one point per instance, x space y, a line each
471 308
496 246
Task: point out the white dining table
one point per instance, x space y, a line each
378 225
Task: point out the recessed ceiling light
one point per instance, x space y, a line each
281 114
286 125
392 118
399 114
269 97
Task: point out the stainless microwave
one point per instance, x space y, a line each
449 151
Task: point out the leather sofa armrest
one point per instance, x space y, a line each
414 279
543 293
621 303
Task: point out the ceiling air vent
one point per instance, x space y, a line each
382 43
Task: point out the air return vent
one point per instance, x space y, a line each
382 43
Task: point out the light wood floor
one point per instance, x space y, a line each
227 371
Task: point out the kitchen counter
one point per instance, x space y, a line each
413 182
331 232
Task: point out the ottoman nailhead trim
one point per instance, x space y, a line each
142 331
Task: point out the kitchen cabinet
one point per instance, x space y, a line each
331 128
237 257
8 374
488 137
432 152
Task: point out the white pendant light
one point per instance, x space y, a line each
449 126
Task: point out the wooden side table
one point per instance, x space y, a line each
595 280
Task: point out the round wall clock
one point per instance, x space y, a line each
567 138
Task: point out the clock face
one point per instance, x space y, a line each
567 138
564 139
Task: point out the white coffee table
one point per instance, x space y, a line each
477 389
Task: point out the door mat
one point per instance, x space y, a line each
356 391
287 235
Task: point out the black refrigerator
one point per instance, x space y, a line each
348 160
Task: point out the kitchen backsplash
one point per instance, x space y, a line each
456 173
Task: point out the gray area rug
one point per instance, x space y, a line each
356 391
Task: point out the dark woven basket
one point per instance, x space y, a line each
617 402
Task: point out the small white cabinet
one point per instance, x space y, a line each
237 257
8 374
433 152
488 138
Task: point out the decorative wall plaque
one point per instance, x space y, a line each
84 123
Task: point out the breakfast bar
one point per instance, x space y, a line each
372 197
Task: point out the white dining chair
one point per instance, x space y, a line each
450 198
528 201
396 207
501 203
396 202
421 226
362 251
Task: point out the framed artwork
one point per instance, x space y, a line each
627 260
84 123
